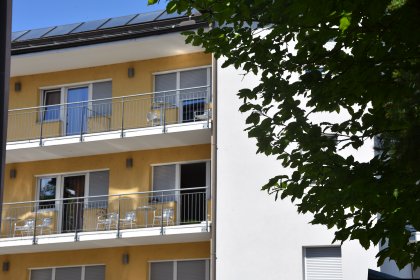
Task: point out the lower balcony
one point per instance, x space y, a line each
159 217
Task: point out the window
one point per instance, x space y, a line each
56 187
94 272
98 186
47 191
175 87
51 101
180 270
323 263
100 91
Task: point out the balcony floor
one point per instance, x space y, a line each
101 239
175 135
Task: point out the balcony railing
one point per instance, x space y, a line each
112 213
158 109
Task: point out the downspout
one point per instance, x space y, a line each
213 257
5 37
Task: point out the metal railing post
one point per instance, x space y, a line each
122 117
81 126
118 217
35 218
164 113
77 221
207 209
42 127
161 214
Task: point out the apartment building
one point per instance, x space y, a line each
127 159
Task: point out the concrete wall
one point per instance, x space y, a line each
257 237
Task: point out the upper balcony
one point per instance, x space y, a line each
86 126
77 222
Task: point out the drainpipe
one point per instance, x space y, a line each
5 36
213 172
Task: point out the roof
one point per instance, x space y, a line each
104 30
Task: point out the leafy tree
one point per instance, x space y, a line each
357 58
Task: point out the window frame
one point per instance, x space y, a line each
60 185
53 269
178 88
175 261
63 97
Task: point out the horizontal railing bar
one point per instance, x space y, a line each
104 196
111 98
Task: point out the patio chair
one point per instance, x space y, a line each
153 118
26 226
129 219
107 221
202 116
166 216
45 225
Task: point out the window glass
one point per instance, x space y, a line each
96 272
102 91
161 271
191 270
41 274
98 185
163 180
68 273
51 101
47 191
165 85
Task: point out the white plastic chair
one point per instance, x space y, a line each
45 225
166 216
107 221
26 227
153 118
129 219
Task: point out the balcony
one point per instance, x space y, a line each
110 125
167 216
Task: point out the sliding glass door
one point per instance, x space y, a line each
77 110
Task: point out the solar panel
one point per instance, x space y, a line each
117 21
165 15
146 17
62 29
89 26
34 34
17 34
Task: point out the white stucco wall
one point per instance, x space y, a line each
257 237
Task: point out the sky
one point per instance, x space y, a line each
31 14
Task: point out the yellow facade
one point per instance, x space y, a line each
26 124
136 269
122 85
122 179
